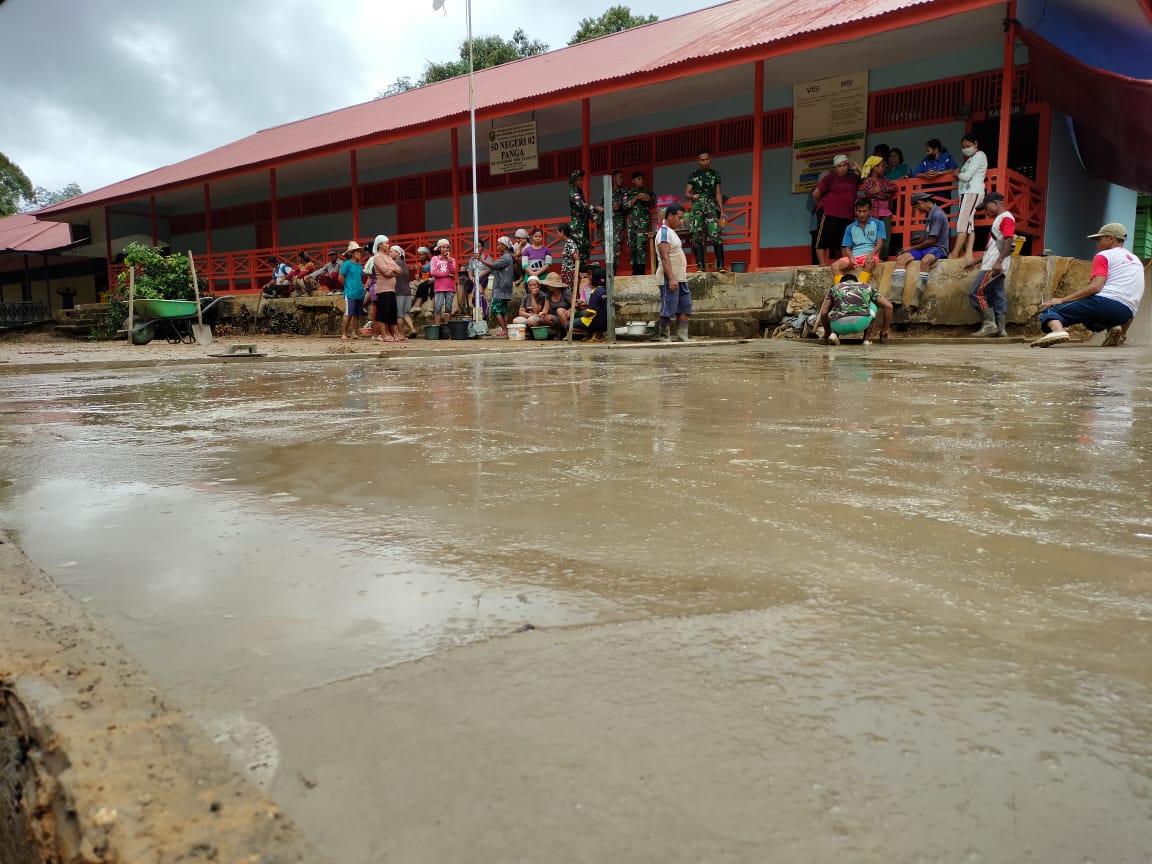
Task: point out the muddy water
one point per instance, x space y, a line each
792 604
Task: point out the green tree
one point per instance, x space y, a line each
42 197
398 86
487 51
615 19
14 186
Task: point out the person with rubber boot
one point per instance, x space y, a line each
987 294
707 216
672 276
1108 302
932 247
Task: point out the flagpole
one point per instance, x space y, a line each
475 194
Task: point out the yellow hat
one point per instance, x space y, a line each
870 163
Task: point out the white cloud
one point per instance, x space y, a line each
113 88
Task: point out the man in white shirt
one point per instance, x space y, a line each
672 276
987 292
1108 302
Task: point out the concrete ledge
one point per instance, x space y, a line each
94 766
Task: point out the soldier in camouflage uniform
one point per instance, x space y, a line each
639 202
620 197
581 214
706 218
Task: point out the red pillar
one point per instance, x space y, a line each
455 145
355 196
107 244
1006 98
152 213
274 208
208 239
757 164
586 142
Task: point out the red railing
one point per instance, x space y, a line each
1024 197
247 271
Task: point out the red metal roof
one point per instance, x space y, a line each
25 233
726 34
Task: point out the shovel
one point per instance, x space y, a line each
202 332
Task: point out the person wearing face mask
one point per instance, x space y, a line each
971 191
939 165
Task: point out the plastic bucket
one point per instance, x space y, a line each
540 333
445 332
516 332
739 266
431 331
458 328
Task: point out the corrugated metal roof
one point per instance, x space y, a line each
25 233
736 27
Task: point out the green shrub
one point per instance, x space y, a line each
158 276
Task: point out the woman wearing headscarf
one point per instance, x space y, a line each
403 291
881 192
385 269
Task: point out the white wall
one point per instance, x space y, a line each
1079 203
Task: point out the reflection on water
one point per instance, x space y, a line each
257 530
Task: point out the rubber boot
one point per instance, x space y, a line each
701 254
921 287
718 248
681 331
1001 322
988 324
896 292
662 327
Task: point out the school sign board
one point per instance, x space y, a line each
512 148
829 116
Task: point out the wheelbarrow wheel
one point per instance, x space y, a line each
142 334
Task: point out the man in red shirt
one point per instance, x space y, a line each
835 195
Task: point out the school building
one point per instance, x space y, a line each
1066 129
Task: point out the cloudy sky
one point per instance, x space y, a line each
96 91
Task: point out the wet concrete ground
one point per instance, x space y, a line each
792 603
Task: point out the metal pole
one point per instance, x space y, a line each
610 267
475 193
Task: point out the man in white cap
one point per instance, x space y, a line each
835 194
1108 302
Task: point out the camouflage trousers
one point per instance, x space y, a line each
705 226
582 237
638 247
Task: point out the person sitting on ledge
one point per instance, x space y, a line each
559 300
301 282
592 314
534 306
281 283
850 309
1108 302
327 276
933 246
862 242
